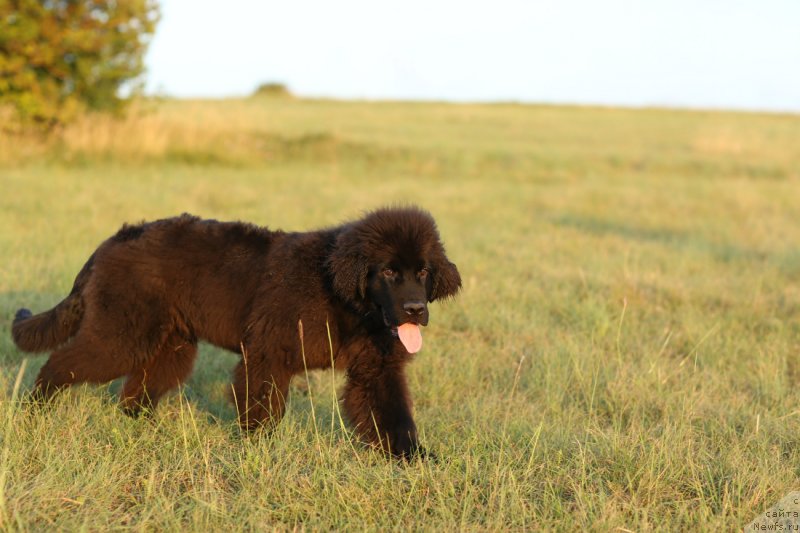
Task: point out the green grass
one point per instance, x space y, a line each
624 354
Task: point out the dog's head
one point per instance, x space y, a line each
392 264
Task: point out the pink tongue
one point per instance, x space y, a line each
410 336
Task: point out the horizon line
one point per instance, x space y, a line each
791 112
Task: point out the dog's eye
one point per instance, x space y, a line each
388 272
423 273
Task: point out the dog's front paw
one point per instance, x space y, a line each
403 444
425 454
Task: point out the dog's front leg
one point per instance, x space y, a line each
260 387
377 402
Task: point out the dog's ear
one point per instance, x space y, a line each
446 279
348 268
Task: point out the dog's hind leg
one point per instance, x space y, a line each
166 370
82 360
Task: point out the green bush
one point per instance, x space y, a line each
273 89
58 56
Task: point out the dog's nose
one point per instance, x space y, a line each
414 308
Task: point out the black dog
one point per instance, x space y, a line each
150 292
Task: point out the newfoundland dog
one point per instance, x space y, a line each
352 296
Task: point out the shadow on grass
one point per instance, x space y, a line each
725 252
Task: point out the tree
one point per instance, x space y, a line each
58 56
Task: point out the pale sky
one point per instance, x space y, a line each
677 53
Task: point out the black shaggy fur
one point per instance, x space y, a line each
149 293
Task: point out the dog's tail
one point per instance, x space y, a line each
48 330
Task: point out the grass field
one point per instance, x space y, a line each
624 355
